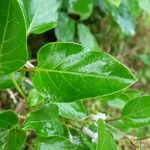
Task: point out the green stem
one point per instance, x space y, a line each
18 88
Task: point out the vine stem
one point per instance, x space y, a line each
18 88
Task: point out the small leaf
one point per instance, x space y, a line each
53 143
6 81
44 121
13 53
81 7
65 29
105 139
67 72
74 110
34 98
40 16
8 119
136 113
124 15
86 37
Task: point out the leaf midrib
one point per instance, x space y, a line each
84 74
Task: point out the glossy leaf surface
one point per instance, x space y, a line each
13 54
86 38
65 29
44 121
67 72
105 139
136 112
74 110
81 7
6 80
40 16
53 143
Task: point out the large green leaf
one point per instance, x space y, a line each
40 16
54 143
10 136
86 38
6 80
67 72
44 121
136 112
74 110
65 29
81 7
105 139
13 53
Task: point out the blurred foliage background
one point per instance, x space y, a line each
118 27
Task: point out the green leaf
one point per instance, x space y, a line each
74 110
136 112
40 16
81 7
145 5
115 2
10 136
54 143
13 53
34 98
14 139
124 15
105 139
6 81
65 29
67 72
8 119
44 121
86 38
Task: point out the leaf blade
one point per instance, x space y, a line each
80 72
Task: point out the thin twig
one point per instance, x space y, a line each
18 88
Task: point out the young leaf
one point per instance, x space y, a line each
40 16
67 72
136 112
86 37
44 121
54 143
74 110
10 137
13 53
81 7
6 81
65 29
105 139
